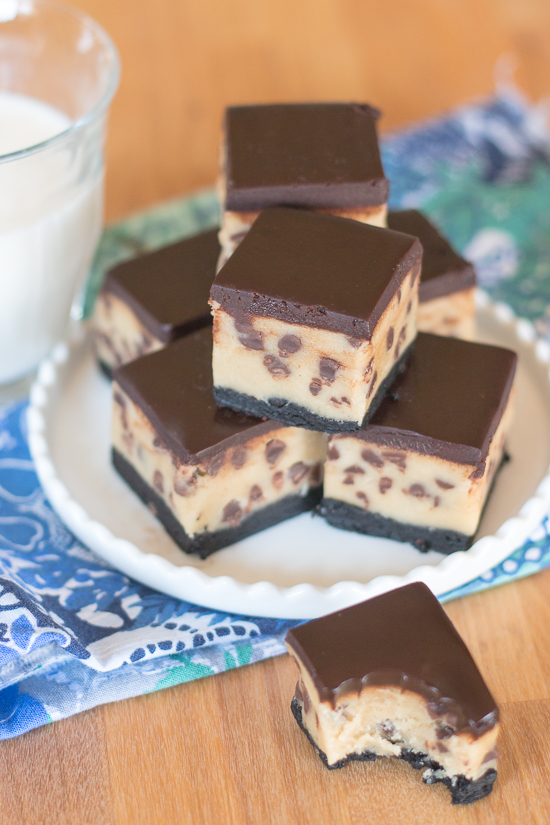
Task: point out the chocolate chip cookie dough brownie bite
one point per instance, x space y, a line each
392 677
154 299
321 156
313 317
421 470
447 283
212 476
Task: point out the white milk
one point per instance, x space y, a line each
50 220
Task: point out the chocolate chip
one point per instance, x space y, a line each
368 371
275 366
158 482
399 295
273 449
354 342
333 453
277 480
372 385
400 340
121 401
288 345
441 747
349 480
214 464
336 401
437 501
372 458
444 731
315 386
409 307
327 369
389 338
238 457
158 443
232 513
385 484
418 491
185 486
256 493
253 340
316 475
364 498
399 459
298 472
355 469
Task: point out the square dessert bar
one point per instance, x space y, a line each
447 282
149 301
211 476
313 317
392 677
321 156
421 470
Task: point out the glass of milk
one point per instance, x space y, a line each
58 73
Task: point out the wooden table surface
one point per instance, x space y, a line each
226 749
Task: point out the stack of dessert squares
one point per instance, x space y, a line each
339 374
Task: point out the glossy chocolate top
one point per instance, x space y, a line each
168 289
449 401
316 155
173 387
317 270
443 270
402 638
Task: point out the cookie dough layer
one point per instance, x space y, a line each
207 543
452 315
444 498
314 346
391 677
221 491
119 336
463 789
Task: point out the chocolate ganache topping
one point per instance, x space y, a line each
316 270
443 270
173 387
317 155
404 639
168 289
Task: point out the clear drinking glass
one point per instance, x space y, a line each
51 193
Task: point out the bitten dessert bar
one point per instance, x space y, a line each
321 156
392 677
154 299
421 470
211 476
447 282
313 317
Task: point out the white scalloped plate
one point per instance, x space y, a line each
299 569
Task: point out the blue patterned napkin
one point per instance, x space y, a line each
74 633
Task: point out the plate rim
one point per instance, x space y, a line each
300 601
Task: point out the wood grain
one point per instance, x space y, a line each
226 749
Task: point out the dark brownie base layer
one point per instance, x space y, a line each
463 790
349 517
206 543
294 415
